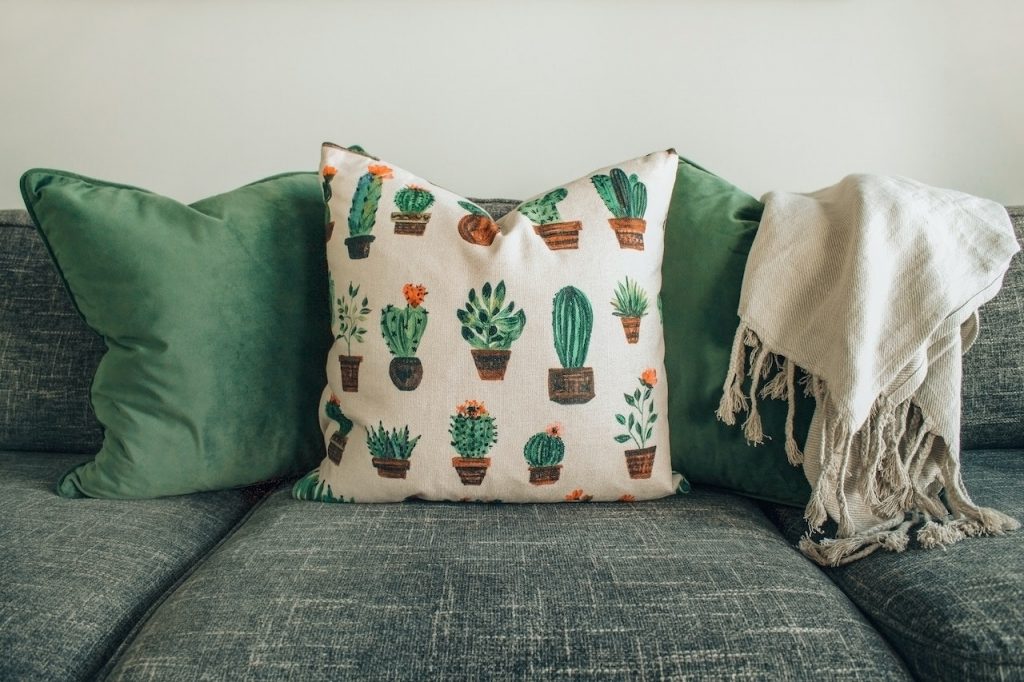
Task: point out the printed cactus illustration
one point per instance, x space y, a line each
412 201
544 452
626 199
578 495
473 435
572 321
490 327
327 173
629 305
390 450
351 316
477 226
640 426
363 213
548 223
403 329
311 488
336 446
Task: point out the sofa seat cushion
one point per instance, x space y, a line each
700 586
76 575
953 614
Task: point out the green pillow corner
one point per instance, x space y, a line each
215 322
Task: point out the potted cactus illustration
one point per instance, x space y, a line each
543 213
544 452
572 320
328 173
412 201
626 198
473 434
629 305
477 226
390 450
403 329
363 214
351 317
310 487
490 329
336 446
640 426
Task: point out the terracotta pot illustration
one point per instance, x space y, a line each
630 232
391 468
471 469
545 475
640 462
631 325
410 223
406 373
359 247
336 447
328 231
477 229
558 236
491 364
350 372
571 385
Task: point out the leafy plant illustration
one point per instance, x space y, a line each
544 210
630 299
625 196
351 316
363 213
472 430
486 324
403 328
413 199
545 449
311 488
394 444
572 321
640 422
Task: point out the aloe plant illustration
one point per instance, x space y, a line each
544 452
547 222
327 174
572 321
363 213
477 226
412 201
351 315
403 329
629 305
640 426
473 435
490 327
336 446
312 488
626 199
390 450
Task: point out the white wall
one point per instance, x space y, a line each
192 98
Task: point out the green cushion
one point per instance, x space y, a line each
215 323
711 226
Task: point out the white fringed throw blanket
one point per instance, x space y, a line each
871 288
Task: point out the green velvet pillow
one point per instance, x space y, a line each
711 225
215 324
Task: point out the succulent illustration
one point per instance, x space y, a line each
472 430
572 320
545 449
312 488
403 327
625 196
394 444
630 299
487 322
544 210
640 423
363 213
413 199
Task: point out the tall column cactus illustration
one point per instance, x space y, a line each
363 214
403 329
629 305
351 317
327 173
390 450
626 198
477 226
543 213
490 327
412 201
473 434
640 426
544 452
336 446
572 321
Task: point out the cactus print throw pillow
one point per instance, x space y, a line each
514 360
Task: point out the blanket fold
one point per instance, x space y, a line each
865 295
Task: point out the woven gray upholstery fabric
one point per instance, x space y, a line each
48 355
956 614
75 575
698 586
993 398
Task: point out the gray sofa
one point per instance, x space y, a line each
251 584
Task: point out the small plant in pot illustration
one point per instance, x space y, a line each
626 198
390 450
543 213
477 226
328 173
351 317
412 201
490 329
363 214
473 434
336 446
629 306
572 320
640 426
403 329
544 453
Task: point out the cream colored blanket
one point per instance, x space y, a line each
868 291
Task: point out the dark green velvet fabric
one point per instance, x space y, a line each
710 228
214 317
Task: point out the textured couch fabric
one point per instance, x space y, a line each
956 614
75 575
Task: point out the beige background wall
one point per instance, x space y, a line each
191 98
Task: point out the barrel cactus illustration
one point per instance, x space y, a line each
572 321
403 330
473 435
412 201
362 215
626 199
544 452
548 223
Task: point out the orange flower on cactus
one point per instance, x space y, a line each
554 429
472 409
329 172
627 498
649 378
414 294
578 496
380 170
